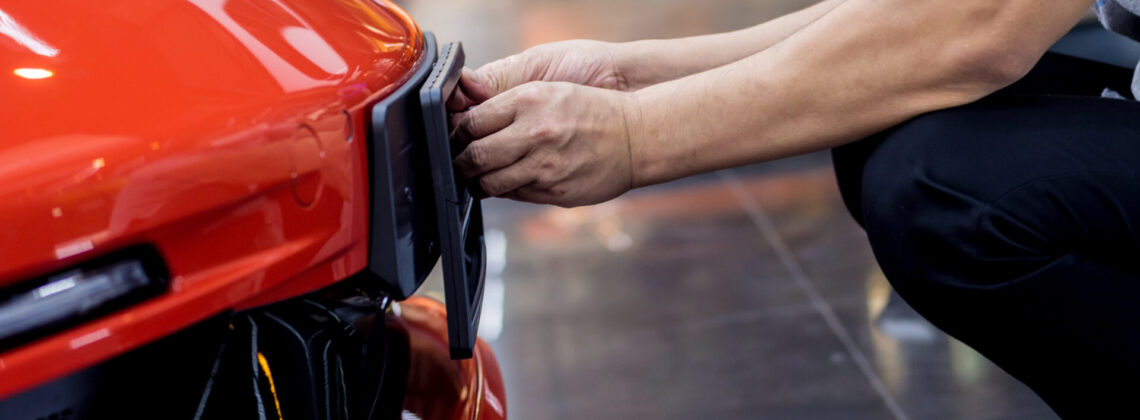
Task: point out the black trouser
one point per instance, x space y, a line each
1013 224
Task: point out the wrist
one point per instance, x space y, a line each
641 139
636 62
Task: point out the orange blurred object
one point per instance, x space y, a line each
469 389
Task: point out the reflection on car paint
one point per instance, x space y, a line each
215 131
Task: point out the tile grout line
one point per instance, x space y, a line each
768 230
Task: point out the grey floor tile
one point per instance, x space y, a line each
745 368
933 376
929 374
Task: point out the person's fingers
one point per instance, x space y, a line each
480 121
520 194
475 189
493 152
459 101
500 76
481 85
477 86
505 180
532 194
472 90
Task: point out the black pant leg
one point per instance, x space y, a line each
1058 74
1013 224
1054 75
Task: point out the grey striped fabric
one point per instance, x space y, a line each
1122 17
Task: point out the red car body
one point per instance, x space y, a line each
229 137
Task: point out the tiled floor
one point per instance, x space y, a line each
742 294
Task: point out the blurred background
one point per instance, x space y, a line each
742 294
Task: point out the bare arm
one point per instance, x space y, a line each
629 65
649 62
862 67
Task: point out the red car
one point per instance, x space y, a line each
219 209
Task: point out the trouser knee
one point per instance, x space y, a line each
1012 225
935 219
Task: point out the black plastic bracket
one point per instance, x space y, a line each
404 243
414 223
459 213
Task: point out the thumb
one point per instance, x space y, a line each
473 90
501 75
477 85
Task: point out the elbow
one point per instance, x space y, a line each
991 45
1005 64
987 67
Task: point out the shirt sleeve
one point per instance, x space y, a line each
1120 16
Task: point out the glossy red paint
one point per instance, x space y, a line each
440 388
227 134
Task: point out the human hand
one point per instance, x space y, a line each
549 142
583 62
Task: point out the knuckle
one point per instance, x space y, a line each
541 131
564 88
493 73
529 93
477 155
561 91
516 99
469 122
545 182
493 80
548 165
547 178
490 186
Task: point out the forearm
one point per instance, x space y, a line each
865 66
648 62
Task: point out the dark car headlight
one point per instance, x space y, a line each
49 304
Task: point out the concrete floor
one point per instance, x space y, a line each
742 294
